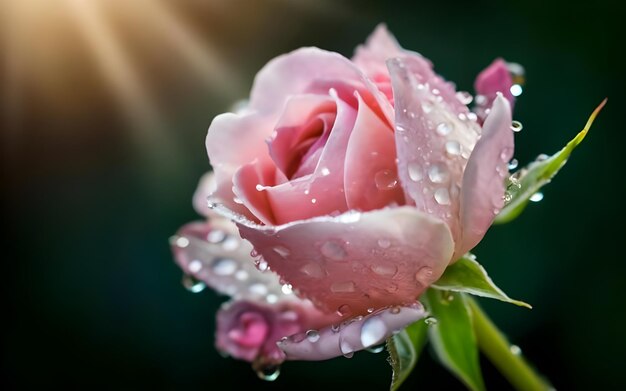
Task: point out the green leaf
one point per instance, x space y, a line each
467 275
452 336
404 348
524 183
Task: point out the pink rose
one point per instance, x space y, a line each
358 181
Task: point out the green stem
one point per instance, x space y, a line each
499 351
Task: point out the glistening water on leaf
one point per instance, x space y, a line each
404 349
467 275
526 182
453 336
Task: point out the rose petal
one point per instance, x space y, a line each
491 80
370 172
353 335
234 140
309 70
215 254
482 193
356 261
432 145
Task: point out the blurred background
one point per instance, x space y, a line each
105 106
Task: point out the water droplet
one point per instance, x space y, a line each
287 289
346 348
430 321
516 90
342 287
237 200
442 196
373 331
395 309
424 275
480 100
515 350
325 171
516 126
427 107
195 266
271 298
313 270
464 97
241 275
438 173
385 269
262 265
192 284
216 236
541 157
412 114
385 180
223 266
282 251
181 242
513 164
400 128
268 373
376 349
258 289
384 243
259 187
344 310
538 196
333 250
313 200
335 328
312 336
462 116
231 243
453 148
444 129
436 91
415 171
472 116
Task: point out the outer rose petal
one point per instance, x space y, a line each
249 330
353 335
214 253
432 143
356 261
482 193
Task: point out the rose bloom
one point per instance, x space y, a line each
357 182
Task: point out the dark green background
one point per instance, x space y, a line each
95 300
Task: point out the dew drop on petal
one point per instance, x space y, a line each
427 107
258 289
333 250
312 336
444 129
424 275
464 97
415 171
538 196
385 180
223 266
438 173
313 270
516 90
231 243
395 309
181 242
376 349
313 200
325 171
453 148
271 298
513 164
442 196
287 289
346 349
373 331
342 287
385 269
